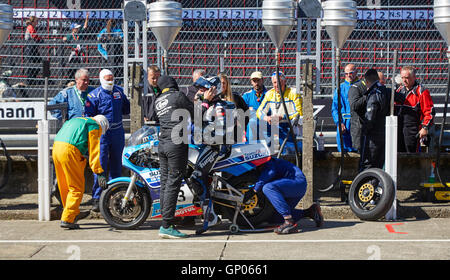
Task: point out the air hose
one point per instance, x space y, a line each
291 128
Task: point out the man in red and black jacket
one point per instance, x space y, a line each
415 110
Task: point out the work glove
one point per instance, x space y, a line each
248 195
102 182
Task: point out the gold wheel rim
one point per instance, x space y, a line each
366 192
251 203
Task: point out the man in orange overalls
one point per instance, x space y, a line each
77 137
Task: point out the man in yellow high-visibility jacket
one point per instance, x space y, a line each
271 108
76 138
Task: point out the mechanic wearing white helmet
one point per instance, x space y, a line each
77 138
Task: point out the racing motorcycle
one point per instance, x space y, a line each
128 201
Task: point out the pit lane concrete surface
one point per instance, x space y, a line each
338 239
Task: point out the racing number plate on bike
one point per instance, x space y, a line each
184 201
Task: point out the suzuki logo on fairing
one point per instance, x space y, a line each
255 155
151 176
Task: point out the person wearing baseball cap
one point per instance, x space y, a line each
75 39
254 98
75 26
256 75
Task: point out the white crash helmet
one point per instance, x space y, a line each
103 122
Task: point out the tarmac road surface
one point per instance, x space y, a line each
415 239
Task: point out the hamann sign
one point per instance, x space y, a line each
22 111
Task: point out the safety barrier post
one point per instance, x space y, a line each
43 170
390 164
44 154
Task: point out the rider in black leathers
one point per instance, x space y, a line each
173 154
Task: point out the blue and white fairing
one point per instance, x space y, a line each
243 158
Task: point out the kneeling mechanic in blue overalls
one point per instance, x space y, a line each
284 184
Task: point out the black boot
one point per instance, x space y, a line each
68 225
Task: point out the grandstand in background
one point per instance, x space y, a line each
230 32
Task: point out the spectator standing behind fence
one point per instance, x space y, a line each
271 108
253 98
74 96
373 126
77 52
239 102
191 91
415 110
31 51
148 102
110 101
351 77
110 41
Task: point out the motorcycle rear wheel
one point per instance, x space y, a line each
133 215
258 210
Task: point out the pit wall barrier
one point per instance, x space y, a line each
413 170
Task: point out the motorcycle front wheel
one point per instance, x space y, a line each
371 194
135 212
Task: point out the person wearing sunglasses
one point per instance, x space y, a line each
351 77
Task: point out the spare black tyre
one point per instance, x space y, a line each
371 194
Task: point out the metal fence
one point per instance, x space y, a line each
218 36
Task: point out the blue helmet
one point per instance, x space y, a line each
208 82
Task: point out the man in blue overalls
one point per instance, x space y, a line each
284 184
351 77
110 101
